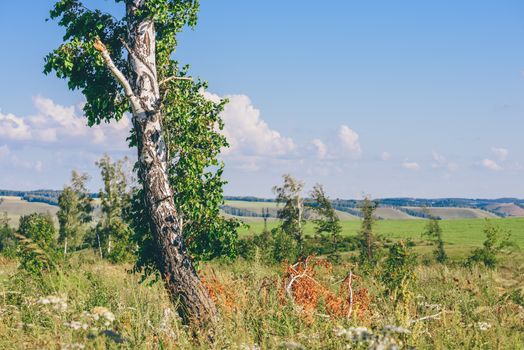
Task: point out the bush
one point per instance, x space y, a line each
496 240
37 237
7 241
271 247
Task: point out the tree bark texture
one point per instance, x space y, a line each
181 280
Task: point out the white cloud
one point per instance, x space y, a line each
349 139
55 123
439 161
4 151
13 127
411 165
320 148
500 153
246 132
385 156
491 165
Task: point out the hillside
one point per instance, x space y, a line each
456 213
15 207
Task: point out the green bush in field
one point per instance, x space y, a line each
37 248
434 233
271 247
7 238
496 240
398 267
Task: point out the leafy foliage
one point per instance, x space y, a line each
367 239
7 237
496 240
434 232
327 220
291 213
37 246
192 123
193 139
113 234
75 212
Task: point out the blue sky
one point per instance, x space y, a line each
387 98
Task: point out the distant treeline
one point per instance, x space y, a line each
271 212
40 196
418 213
347 205
248 199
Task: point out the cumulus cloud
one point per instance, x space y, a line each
13 127
247 133
320 148
349 140
500 153
411 165
54 123
491 165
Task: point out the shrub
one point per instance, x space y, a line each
496 240
37 249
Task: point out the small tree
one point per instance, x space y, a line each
367 238
496 240
327 220
434 233
112 231
7 236
75 212
292 211
36 234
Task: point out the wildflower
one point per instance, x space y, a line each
484 326
58 303
101 311
396 329
291 345
77 325
355 333
249 347
73 346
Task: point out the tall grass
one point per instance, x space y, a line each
449 307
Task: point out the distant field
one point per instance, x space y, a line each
257 207
507 209
16 207
457 213
460 236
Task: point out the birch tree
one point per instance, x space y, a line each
125 65
289 195
75 212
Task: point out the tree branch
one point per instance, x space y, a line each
174 78
119 76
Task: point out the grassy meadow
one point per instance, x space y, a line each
92 304
460 236
89 303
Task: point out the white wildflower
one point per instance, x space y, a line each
73 346
396 329
249 347
484 326
291 345
102 312
77 325
58 303
354 333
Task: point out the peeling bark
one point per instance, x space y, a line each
173 261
